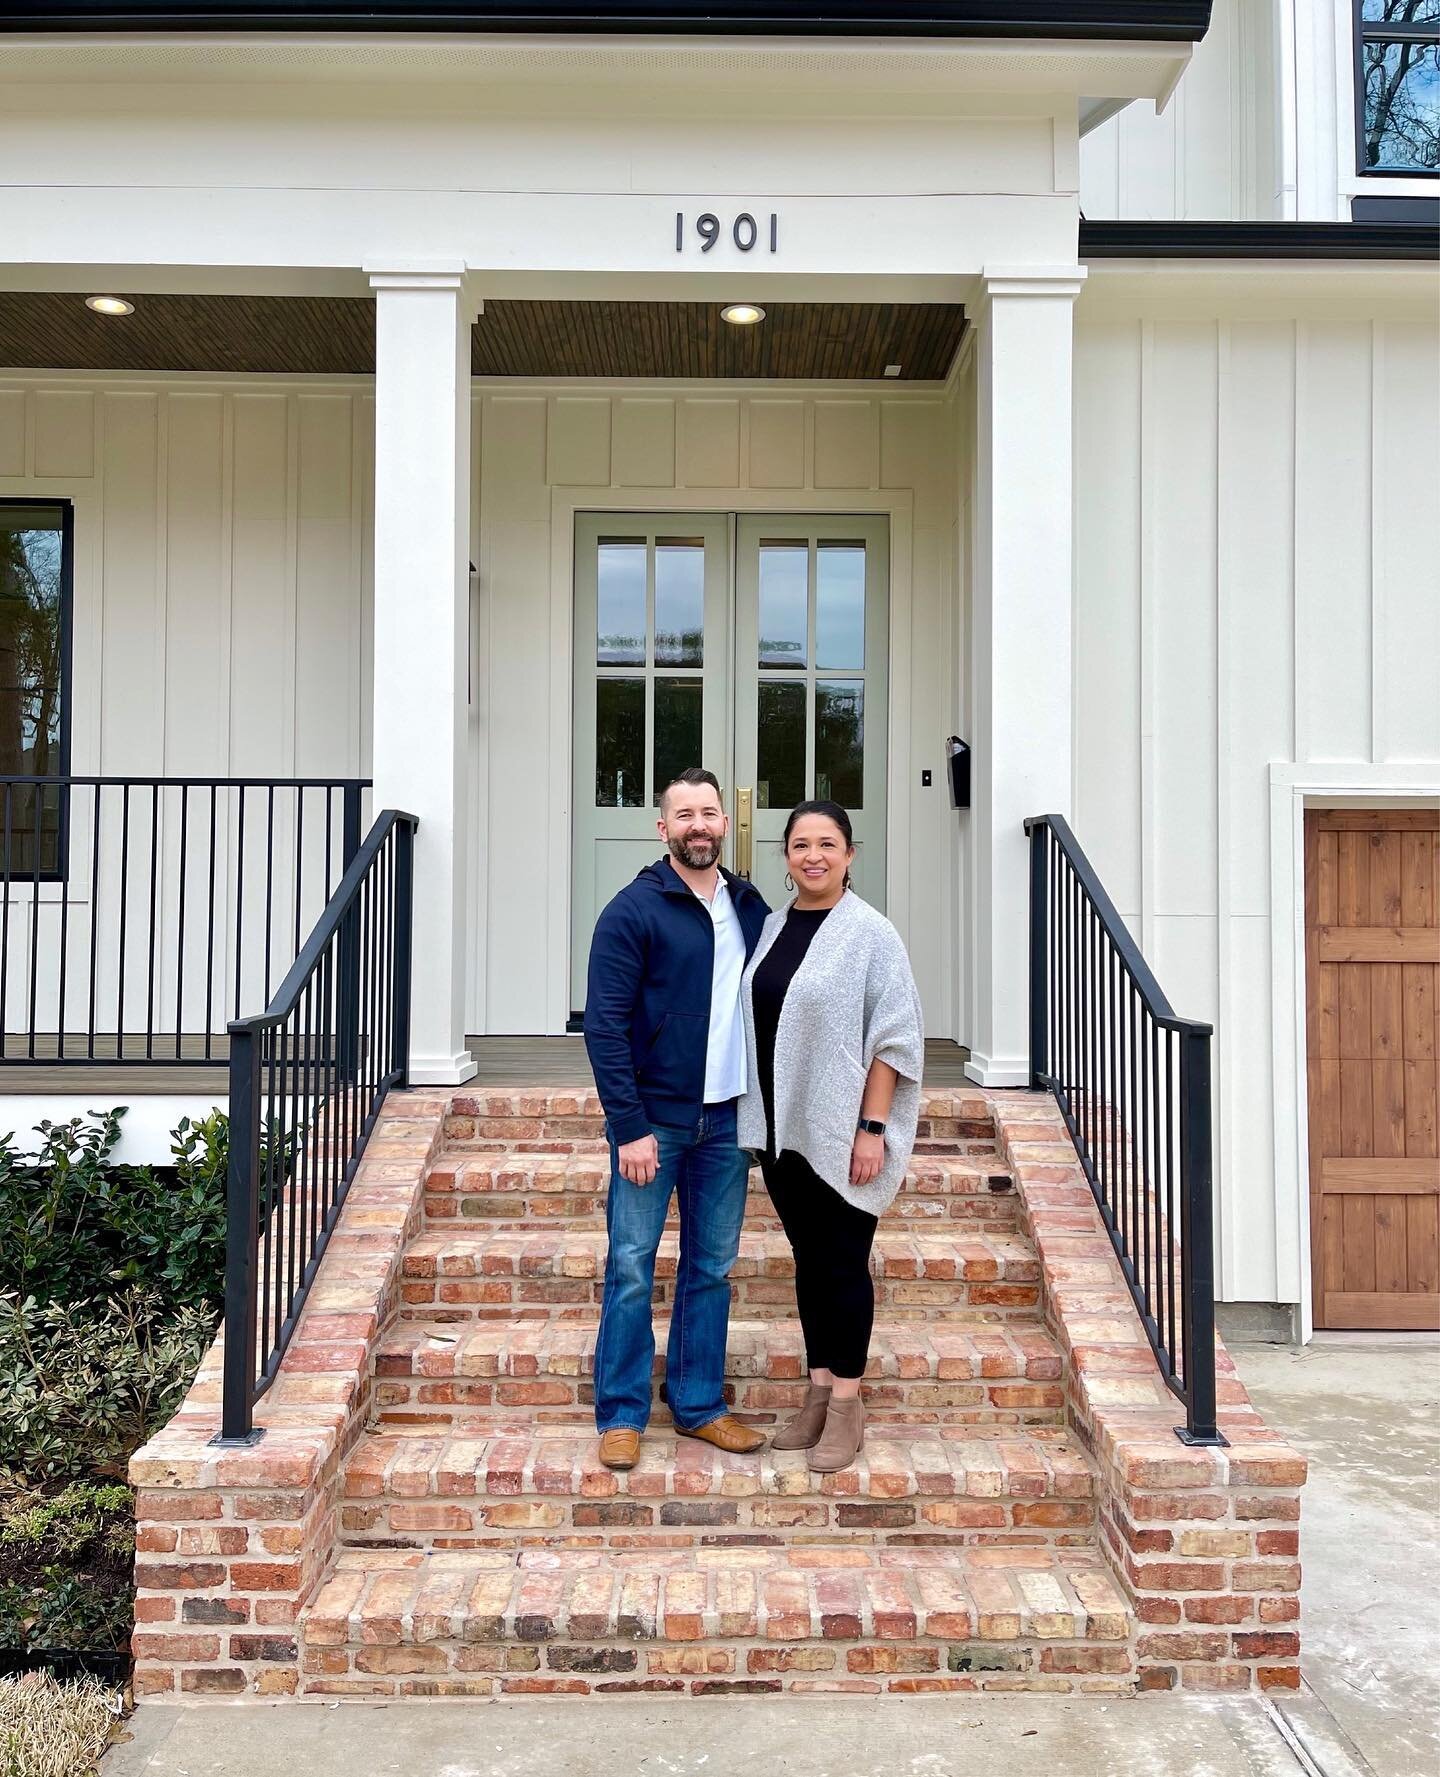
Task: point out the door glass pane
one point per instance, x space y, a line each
840 741
679 602
784 603
1400 12
620 602
780 747
840 606
679 722
619 743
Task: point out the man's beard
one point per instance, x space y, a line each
696 851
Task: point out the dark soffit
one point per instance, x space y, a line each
335 335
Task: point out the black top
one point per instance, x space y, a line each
767 994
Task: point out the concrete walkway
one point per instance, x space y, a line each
1364 1411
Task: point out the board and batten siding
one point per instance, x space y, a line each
1256 584
1211 153
772 447
221 628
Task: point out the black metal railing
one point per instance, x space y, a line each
307 1079
138 915
1133 1084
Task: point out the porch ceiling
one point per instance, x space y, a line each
335 335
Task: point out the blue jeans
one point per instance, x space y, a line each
708 1171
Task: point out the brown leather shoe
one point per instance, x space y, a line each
727 1433
803 1431
843 1437
620 1447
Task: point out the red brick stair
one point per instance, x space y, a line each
716 1621
484 1548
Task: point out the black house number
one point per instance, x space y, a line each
744 231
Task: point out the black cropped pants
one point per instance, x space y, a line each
831 1240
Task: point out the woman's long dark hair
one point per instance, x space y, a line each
832 811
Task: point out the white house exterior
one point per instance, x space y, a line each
1152 539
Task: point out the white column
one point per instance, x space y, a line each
1021 663
422 543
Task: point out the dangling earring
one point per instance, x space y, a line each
789 882
847 879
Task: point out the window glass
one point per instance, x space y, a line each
620 602
32 643
620 743
1401 125
784 603
780 746
840 606
680 601
1400 12
679 725
840 741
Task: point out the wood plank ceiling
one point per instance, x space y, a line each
335 335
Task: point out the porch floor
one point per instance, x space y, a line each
503 1061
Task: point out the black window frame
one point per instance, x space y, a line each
1379 31
67 630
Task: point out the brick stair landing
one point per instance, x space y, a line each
715 1621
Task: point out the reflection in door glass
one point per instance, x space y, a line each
840 741
620 602
619 743
840 606
780 746
784 602
679 725
680 601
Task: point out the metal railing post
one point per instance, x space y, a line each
242 1236
347 986
404 915
1197 1241
1039 954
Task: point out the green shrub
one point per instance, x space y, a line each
74 1226
65 1566
83 1384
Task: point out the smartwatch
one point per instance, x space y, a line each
871 1126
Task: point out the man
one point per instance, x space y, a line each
666 1041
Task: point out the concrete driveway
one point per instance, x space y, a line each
1363 1410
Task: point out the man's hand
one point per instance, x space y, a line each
640 1160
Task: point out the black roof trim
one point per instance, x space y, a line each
1258 240
1184 21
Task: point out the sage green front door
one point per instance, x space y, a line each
753 646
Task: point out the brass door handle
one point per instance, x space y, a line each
744 833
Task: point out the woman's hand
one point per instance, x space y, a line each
866 1157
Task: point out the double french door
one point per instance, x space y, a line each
755 646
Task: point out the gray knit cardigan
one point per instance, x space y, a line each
852 999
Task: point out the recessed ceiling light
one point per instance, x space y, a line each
742 314
893 369
110 305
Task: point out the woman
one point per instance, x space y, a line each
835 1046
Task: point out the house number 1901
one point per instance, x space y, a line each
744 231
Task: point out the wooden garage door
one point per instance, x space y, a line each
1372 978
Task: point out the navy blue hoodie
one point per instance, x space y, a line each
647 1006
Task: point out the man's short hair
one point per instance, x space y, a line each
693 775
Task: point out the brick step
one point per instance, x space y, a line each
515 1482
561 1117
482 1272
714 1622
533 1184
931 1371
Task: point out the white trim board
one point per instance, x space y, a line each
1293 789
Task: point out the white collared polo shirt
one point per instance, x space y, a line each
725 1048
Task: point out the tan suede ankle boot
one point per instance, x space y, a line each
843 1437
803 1431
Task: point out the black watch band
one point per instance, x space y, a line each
871 1126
